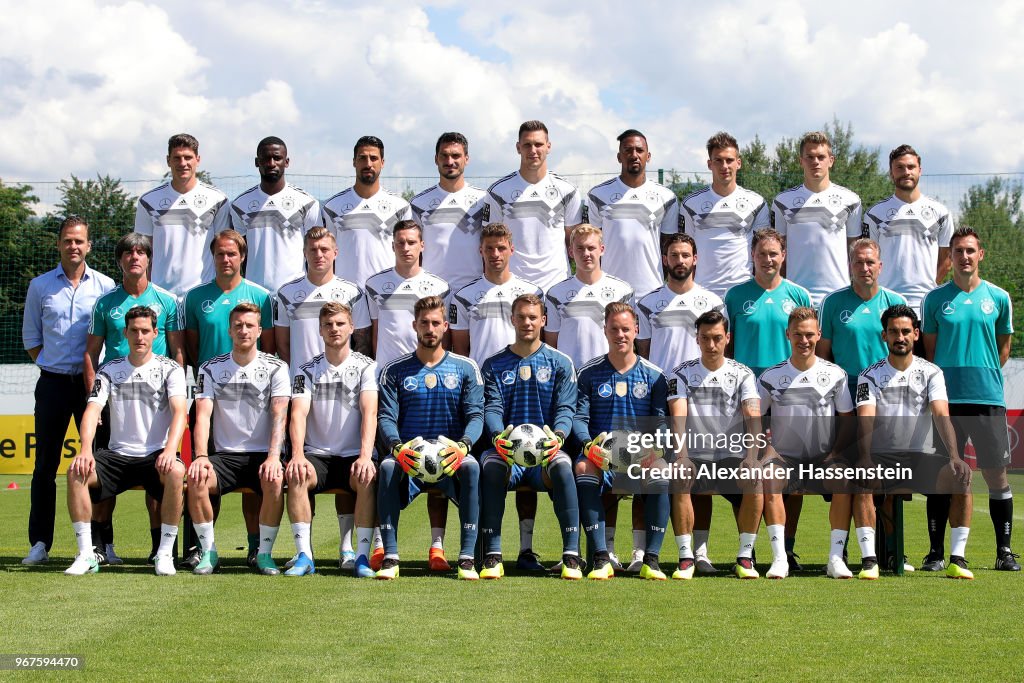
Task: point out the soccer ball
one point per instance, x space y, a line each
526 444
430 471
620 458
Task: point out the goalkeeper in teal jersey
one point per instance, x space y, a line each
429 394
615 391
529 383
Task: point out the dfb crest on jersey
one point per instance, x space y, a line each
988 306
261 375
927 213
287 203
788 305
543 374
451 380
551 193
199 201
822 379
351 377
155 375
607 293
742 205
640 390
384 205
835 201
700 303
917 379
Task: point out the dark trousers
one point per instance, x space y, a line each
58 399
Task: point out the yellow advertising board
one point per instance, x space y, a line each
18 444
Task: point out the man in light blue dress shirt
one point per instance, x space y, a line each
57 309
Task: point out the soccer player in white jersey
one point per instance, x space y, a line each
819 220
332 428
912 230
805 394
182 216
452 213
576 305
539 207
712 396
392 294
722 219
244 394
147 408
363 217
898 399
635 214
297 330
273 217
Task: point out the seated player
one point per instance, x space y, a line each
529 383
898 398
715 397
805 394
147 415
429 394
614 389
245 395
332 427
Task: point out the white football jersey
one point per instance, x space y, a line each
485 309
902 400
803 405
274 227
364 229
333 426
140 412
576 312
241 400
633 220
714 402
297 306
723 227
451 223
668 320
182 227
391 299
910 236
537 214
816 226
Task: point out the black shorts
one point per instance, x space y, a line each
924 478
332 472
986 427
801 477
117 473
238 471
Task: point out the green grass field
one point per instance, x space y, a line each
129 624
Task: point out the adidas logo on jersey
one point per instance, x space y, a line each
804 380
534 194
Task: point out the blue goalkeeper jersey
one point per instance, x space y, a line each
416 400
608 399
539 389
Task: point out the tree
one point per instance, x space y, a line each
28 250
993 209
15 205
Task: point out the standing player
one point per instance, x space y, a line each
273 217
968 327
576 306
207 334
821 218
668 337
851 328
634 214
146 393
392 295
297 307
529 383
133 253
715 396
245 395
435 395
614 388
912 231
539 207
898 398
57 309
452 214
363 217
333 422
182 216
722 218
805 395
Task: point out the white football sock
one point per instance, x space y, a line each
364 536
747 544
268 534
866 540
83 537
837 541
168 534
685 543
958 540
776 537
204 532
300 530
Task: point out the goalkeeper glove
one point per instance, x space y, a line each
452 455
596 453
503 446
407 455
551 445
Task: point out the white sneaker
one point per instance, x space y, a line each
111 554
164 565
83 564
779 568
37 554
837 569
636 562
